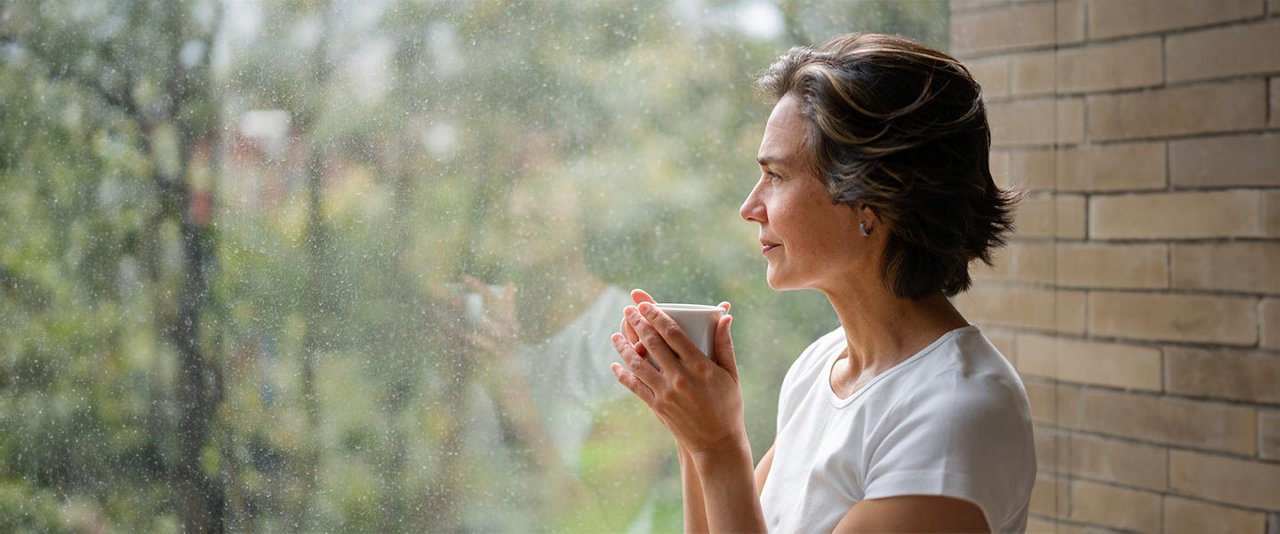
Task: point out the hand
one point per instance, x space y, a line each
698 399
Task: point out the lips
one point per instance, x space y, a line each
766 246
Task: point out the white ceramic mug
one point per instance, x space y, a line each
698 322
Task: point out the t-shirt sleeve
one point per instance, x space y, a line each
967 442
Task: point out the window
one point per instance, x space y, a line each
272 265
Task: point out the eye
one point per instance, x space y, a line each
773 176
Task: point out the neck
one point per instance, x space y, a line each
882 329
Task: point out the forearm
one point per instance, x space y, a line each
695 513
728 486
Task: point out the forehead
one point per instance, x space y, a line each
784 133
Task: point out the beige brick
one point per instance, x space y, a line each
1219 107
1050 216
1000 29
1051 450
1270 322
1184 516
1223 374
1004 342
1193 424
1070 220
1070 121
1034 168
1115 507
1176 215
1034 263
1275 101
1035 122
1056 405
1239 266
1123 65
1269 434
1022 123
1271 213
992 74
1112 167
1050 496
1033 74
1066 528
1000 270
965 5
1250 484
1223 52
1130 266
1069 406
1044 405
1021 262
1248 160
1112 18
1043 309
1192 318
1036 525
1121 462
1090 362
1070 14
999 161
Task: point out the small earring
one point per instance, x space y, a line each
862 227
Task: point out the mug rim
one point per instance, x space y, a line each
687 307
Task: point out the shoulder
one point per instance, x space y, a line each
961 428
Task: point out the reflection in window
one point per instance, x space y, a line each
274 265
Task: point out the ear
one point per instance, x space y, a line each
867 213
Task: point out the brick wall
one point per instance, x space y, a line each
1140 298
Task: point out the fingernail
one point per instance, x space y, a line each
646 309
629 311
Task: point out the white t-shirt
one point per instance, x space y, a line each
951 420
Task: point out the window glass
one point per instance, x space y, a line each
310 266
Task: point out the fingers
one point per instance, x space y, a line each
725 306
632 383
627 331
640 369
630 334
671 333
656 346
724 355
640 295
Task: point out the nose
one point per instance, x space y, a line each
752 209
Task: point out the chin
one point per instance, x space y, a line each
777 282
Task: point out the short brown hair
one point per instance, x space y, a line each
900 128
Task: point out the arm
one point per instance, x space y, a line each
762 470
730 496
913 513
695 513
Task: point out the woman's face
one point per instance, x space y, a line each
809 241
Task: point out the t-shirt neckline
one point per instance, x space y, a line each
825 379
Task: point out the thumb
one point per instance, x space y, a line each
724 356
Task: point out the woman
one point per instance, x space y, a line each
875 190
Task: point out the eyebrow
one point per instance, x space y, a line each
765 161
